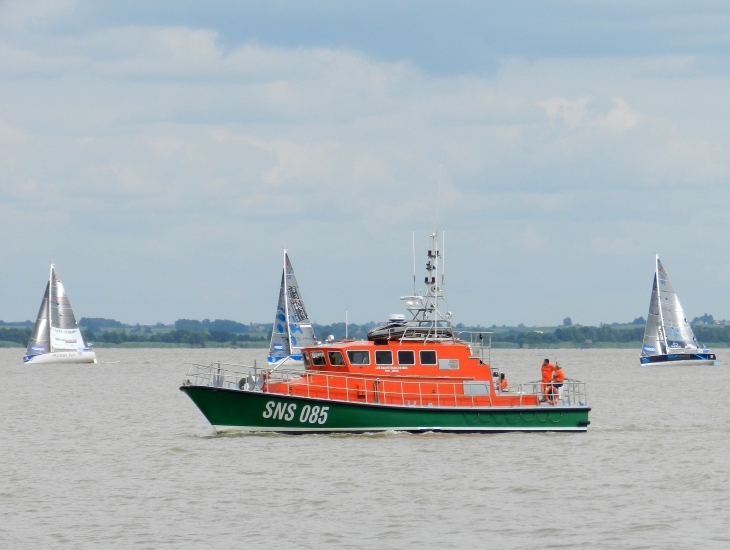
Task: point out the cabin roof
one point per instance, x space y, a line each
352 344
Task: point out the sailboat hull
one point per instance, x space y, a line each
61 357
680 360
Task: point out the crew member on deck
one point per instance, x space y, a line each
547 378
558 379
502 382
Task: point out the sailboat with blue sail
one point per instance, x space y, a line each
668 337
292 328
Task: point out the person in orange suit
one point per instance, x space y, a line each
502 381
547 377
558 378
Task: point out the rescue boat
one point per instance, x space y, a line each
416 376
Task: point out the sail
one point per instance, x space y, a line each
292 329
40 340
65 333
653 336
677 331
279 348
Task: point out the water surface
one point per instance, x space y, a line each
113 455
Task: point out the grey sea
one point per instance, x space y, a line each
114 456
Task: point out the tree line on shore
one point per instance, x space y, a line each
193 338
566 334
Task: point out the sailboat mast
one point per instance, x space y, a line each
659 305
286 308
50 292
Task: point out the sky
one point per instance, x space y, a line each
163 154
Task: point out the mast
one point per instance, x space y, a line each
50 321
435 240
431 299
425 307
659 299
286 308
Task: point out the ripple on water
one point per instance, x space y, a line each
115 456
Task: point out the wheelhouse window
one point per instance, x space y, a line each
318 359
305 358
428 357
336 359
383 357
358 357
406 357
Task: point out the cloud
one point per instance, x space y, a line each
10 134
572 112
161 140
621 117
17 14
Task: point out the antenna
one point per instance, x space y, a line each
438 197
414 262
443 255
345 324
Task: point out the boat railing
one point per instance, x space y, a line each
570 393
413 331
373 389
236 376
479 342
424 331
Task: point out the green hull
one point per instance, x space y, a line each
233 410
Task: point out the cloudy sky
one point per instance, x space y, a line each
164 153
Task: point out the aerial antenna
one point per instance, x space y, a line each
438 197
443 255
345 324
443 269
414 262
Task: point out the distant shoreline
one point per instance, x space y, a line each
265 345
160 345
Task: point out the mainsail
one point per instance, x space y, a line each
667 328
292 329
62 333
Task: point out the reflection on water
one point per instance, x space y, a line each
114 455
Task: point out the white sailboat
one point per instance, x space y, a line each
56 336
668 338
292 329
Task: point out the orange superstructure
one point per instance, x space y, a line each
436 373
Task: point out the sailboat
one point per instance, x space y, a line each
292 329
668 338
56 336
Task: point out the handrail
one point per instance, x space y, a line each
416 331
476 342
438 391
